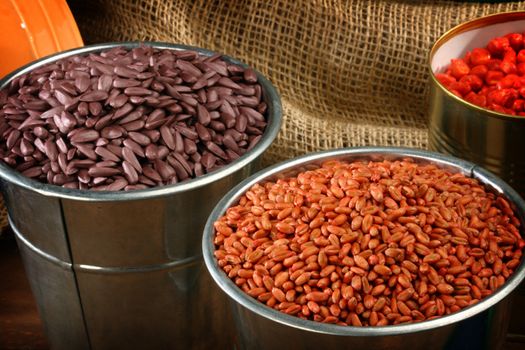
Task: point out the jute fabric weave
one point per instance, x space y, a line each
350 73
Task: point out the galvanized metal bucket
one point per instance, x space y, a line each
481 326
114 270
491 139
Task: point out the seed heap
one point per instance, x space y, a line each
492 77
369 244
129 119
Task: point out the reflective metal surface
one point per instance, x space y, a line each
54 287
112 270
481 326
493 140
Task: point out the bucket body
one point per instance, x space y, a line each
112 270
122 273
485 331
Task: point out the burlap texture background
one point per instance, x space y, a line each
350 73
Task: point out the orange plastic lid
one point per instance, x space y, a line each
30 29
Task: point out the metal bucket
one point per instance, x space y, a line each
481 326
491 139
113 270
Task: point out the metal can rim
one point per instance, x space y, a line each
272 129
235 293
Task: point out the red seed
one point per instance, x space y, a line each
509 55
459 68
479 70
520 57
508 81
473 81
476 99
461 87
508 67
503 97
480 56
498 45
492 77
517 105
515 40
445 79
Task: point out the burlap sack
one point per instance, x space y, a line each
350 73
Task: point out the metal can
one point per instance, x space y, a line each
491 139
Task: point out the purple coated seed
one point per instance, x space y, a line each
93 96
134 125
85 135
26 147
106 164
146 181
61 145
87 150
118 101
106 154
167 137
152 152
82 83
250 76
135 147
111 132
13 138
130 157
130 172
164 169
117 185
83 109
95 108
122 111
162 152
152 174
139 138
32 172
117 150
102 171
125 83
136 114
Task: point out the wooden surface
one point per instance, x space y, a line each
20 326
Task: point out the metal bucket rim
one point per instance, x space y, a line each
495 18
237 295
272 129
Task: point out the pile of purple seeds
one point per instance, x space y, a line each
129 119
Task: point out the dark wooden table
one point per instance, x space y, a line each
20 325
21 328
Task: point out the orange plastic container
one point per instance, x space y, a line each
30 29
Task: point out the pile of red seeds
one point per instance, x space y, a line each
492 77
369 244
